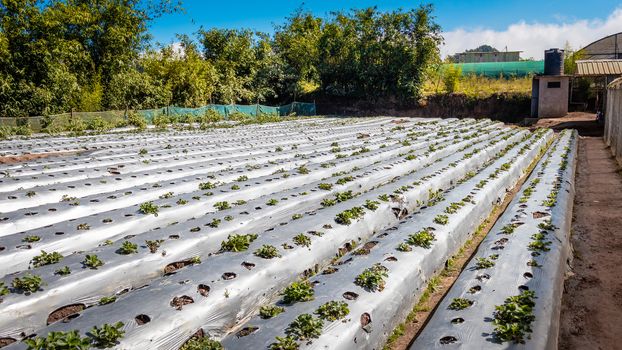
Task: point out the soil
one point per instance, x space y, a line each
591 315
65 312
179 302
585 123
29 156
6 341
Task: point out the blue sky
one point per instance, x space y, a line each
474 16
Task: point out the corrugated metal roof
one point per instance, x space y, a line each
616 84
599 67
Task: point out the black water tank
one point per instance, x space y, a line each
554 62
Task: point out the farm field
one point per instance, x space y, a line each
315 233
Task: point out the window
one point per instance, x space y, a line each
554 84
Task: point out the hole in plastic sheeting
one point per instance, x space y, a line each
523 288
246 331
229 276
179 302
350 295
475 289
540 214
24 246
329 270
448 340
65 313
6 341
391 258
2 248
482 277
366 322
528 275
173 236
327 226
173 267
142 319
203 289
248 265
457 320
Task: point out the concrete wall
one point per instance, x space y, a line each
552 101
613 119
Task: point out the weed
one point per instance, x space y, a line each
270 311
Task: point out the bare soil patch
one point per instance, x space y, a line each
32 156
591 315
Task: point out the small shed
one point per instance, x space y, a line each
550 91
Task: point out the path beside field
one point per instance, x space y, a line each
591 315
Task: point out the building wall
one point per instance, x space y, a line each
478 57
553 96
613 119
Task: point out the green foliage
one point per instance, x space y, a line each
108 335
484 263
224 205
372 278
441 219
237 243
63 271
272 201
513 318
31 239
128 247
59 341
459 304
92 261
371 205
302 240
269 311
149 208
135 120
284 343
423 239
346 216
298 291
325 186
267 251
305 327
404 247
27 283
204 343
203 186
451 76
333 310
107 300
46 259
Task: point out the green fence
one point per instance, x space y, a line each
505 69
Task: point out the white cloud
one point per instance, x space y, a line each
534 38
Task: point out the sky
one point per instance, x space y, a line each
528 25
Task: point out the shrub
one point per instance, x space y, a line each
423 239
134 119
372 278
46 259
27 283
108 335
149 208
98 124
267 251
513 318
128 247
92 262
333 311
270 311
237 243
298 291
305 327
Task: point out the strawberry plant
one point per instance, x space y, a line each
384 197
153 245
107 300
298 291
235 187
333 311
513 318
272 201
423 239
237 243
441 219
303 170
302 240
327 202
46 259
92 262
4 290
267 251
242 178
215 223
460 304
28 283
345 180
142 152
31 239
107 336
181 201
371 205
149 208
484 263
127 248
269 311
372 278
305 327
325 186
83 226
222 205
64 271
346 216
284 343
404 247
204 343
343 196
296 216
203 186
59 341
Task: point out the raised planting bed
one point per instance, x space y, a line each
514 299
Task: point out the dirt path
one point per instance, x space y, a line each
591 316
